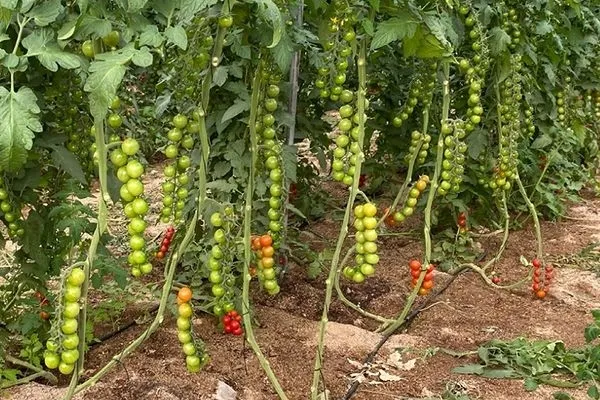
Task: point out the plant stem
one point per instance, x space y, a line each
247 318
504 237
536 221
39 373
329 283
91 257
438 165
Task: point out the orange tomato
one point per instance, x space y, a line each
268 251
427 284
414 264
185 294
256 243
266 240
540 294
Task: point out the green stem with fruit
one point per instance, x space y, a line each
166 289
98 233
402 193
388 329
247 318
345 300
329 283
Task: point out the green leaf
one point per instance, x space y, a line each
269 12
67 30
593 392
541 142
177 36
10 61
562 396
67 161
150 36
293 209
499 40
238 107
93 26
283 53
46 12
470 369
530 384
393 29
220 75
596 315
42 45
106 73
142 57
543 28
133 6
592 333
367 25
18 124
189 8
10 4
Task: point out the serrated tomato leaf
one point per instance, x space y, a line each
19 122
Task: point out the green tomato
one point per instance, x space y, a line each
65 368
137 225
125 194
135 187
140 206
115 121
76 277
118 157
175 135
130 146
275 203
137 242
183 324
51 360
180 121
272 163
69 356
171 151
112 39
122 175
72 293
70 342
219 236
189 349
69 326
215 277
87 48
184 336
52 346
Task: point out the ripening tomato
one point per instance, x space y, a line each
414 264
185 294
266 241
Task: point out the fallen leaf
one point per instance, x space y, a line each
387 377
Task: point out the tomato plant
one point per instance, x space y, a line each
490 107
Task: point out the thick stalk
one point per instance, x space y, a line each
389 329
329 283
91 257
536 221
247 318
438 166
505 235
